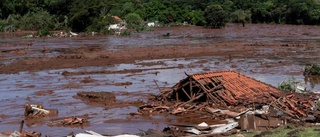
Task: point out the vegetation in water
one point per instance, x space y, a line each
312 70
287 85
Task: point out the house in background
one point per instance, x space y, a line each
118 27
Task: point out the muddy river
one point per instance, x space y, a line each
33 70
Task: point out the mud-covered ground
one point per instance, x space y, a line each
51 71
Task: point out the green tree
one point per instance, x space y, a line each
303 12
37 20
196 17
83 12
262 12
58 7
279 13
244 4
21 7
155 10
133 20
239 16
314 17
215 16
127 8
11 23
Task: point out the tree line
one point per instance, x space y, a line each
95 15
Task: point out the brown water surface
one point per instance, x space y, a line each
50 71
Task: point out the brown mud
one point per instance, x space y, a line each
51 71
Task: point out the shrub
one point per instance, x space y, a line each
2 24
197 18
287 85
43 32
133 20
142 28
240 16
126 33
37 20
12 23
312 70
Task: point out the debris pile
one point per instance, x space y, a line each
38 110
22 133
228 94
74 121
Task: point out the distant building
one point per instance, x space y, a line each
117 19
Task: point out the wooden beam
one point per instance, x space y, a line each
191 92
191 100
157 85
177 96
186 93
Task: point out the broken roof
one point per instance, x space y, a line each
228 87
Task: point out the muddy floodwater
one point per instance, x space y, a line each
51 71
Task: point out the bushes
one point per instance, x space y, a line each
133 20
11 23
2 24
31 21
239 16
43 32
312 70
288 84
37 20
196 18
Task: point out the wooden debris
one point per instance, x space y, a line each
223 94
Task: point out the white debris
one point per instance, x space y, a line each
95 134
225 128
86 135
15 134
194 131
151 24
73 34
217 125
203 124
37 110
126 135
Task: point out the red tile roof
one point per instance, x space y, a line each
117 18
236 87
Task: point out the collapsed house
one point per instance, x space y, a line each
255 105
230 88
224 88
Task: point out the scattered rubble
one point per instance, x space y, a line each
71 121
38 111
243 104
292 85
252 105
22 133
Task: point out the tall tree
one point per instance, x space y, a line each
84 12
240 16
215 16
154 10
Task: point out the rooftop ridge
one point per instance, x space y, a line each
198 76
